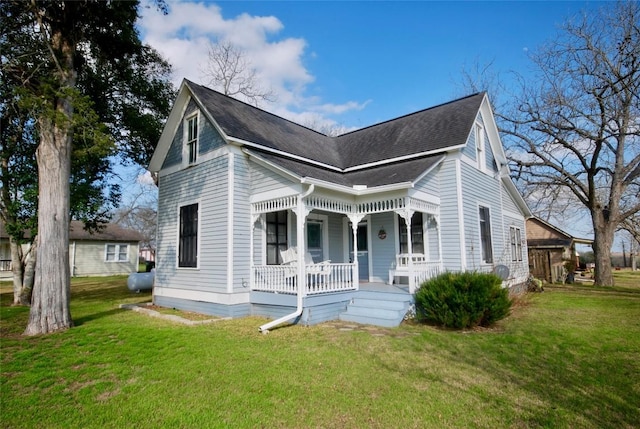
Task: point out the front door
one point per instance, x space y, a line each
363 250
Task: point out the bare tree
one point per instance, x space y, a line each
577 126
229 71
141 215
326 127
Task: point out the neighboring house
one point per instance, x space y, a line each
550 250
242 190
110 251
148 254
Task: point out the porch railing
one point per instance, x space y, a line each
424 270
5 264
319 278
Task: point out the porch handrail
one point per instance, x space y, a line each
424 270
320 278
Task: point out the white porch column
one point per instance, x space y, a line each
355 220
439 231
302 211
407 214
254 219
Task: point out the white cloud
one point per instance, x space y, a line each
145 178
184 34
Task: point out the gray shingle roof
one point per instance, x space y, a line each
387 174
435 129
425 133
110 232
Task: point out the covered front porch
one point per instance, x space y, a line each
346 242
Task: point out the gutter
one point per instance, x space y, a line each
301 275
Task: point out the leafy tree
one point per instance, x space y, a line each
92 89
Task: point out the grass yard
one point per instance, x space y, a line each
565 358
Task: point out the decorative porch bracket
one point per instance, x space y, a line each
407 214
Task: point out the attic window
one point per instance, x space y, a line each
480 155
191 145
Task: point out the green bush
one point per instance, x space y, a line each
462 300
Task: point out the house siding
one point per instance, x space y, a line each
87 258
209 138
265 180
382 251
187 187
449 217
174 155
479 189
429 184
507 202
336 231
470 148
241 223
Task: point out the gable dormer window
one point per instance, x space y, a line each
480 154
191 145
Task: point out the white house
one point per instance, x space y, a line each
258 215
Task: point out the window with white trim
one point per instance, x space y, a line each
188 237
116 252
516 244
191 145
485 234
480 155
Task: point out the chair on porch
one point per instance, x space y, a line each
400 267
319 271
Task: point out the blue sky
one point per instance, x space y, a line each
356 63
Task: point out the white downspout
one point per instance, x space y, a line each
301 268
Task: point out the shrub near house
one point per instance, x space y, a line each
462 300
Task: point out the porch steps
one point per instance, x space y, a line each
377 308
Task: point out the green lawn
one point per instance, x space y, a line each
565 358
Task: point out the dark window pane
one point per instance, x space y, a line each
188 240
485 234
276 236
417 234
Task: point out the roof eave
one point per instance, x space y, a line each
351 190
242 143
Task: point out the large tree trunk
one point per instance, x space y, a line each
16 269
50 309
602 243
